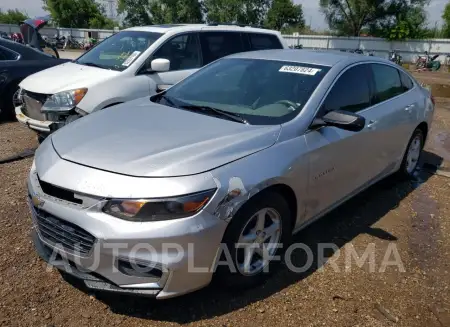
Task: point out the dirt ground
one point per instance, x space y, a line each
412 216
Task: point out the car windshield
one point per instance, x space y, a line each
119 51
259 92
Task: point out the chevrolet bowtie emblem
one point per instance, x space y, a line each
37 202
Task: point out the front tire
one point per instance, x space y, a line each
262 228
412 154
7 110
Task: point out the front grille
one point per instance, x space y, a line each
59 232
58 192
32 104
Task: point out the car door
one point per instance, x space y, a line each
391 116
184 53
339 160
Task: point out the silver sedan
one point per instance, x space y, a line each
212 176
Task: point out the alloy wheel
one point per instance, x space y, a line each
258 241
412 157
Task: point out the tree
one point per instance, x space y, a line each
285 14
146 12
402 19
77 13
348 17
446 18
393 19
12 16
249 12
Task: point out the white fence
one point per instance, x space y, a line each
409 50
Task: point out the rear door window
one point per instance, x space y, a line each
387 82
216 45
351 92
260 41
6 54
407 83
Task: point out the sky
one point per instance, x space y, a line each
310 8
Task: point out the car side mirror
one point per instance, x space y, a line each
341 119
162 87
160 65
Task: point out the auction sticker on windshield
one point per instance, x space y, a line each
131 58
300 70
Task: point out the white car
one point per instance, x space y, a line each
133 63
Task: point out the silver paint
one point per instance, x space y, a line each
142 150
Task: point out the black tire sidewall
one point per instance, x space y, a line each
234 229
7 112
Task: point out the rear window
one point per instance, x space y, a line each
264 92
264 41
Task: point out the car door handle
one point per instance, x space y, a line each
371 124
409 108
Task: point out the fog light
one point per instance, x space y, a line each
138 269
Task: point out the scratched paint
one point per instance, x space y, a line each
237 194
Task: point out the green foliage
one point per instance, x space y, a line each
78 13
147 12
392 19
348 17
446 18
251 12
284 14
12 16
399 32
402 21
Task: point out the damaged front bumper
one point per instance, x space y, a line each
45 126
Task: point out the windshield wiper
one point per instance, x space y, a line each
91 64
168 100
229 115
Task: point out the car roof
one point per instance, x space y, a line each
191 27
314 57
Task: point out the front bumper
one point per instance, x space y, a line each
90 280
34 124
184 249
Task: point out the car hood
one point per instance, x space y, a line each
67 76
140 138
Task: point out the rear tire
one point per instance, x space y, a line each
411 158
262 217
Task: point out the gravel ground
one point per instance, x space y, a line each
412 216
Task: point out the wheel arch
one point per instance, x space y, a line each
274 186
423 126
112 104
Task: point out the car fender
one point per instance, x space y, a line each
281 164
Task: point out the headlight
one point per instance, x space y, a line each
158 209
64 101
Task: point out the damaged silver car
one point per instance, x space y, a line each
214 175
